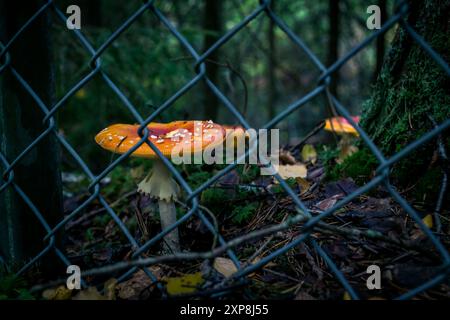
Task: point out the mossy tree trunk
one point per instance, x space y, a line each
410 87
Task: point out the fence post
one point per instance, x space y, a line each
37 174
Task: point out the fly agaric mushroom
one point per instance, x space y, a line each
340 125
185 136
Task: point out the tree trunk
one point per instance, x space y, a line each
212 24
333 37
37 174
410 87
271 64
381 43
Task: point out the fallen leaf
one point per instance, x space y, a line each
286 157
132 288
185 284
309 153
316 174
224 266
292 171
328 203
59 293
90 293
343 186
110 289
303 184
428 221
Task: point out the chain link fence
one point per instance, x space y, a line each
304 218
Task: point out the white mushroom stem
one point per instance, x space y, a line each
159 184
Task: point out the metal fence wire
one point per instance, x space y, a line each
309 222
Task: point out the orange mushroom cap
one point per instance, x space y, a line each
341 125
119 138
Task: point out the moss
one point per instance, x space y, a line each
243 214
214 196
358 166
13 287
196 179
410 87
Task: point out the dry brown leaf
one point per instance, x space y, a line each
92 293
286 157
328 203
303 184
224 266
293 171
110 289
132 288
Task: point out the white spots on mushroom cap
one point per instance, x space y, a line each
160 141
153 136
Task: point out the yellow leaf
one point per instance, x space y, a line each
59 293
224 266
428 221
92 293
294 171
304 185
80 94
309 153
346 296
185 284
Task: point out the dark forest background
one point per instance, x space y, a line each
150 65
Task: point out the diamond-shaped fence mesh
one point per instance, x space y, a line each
309 223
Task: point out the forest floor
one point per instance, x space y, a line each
371 229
